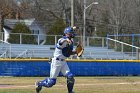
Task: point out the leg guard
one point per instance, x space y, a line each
48 82
70 81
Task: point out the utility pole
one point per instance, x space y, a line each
84 18
84 27
72 13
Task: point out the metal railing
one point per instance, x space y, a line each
52 39
22 54
120 47
41 39
3 55
5 50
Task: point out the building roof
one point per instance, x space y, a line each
11 22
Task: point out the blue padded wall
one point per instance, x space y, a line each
105 68
24 68
42 68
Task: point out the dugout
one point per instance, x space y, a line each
41 67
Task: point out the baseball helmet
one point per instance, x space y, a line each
70 31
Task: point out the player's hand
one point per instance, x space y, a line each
69 41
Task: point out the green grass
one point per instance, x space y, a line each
82 85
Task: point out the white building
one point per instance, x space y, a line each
33 26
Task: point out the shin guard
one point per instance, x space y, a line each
70 82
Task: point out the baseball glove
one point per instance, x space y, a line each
79 50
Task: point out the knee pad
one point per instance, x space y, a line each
49 82
69 74
70 78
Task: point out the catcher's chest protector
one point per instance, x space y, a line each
66 51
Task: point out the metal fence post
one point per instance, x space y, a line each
87 41
55 39
103 42
38 39
137 53
20 38
107 41
122 47
10 52
132 44
3 36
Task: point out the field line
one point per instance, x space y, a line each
59 85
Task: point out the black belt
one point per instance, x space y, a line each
60 59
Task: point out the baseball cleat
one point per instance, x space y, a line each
38 88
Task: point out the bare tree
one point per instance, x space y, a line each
109 16
6 10
48 11
119 15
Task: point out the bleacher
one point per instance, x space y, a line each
26 51
46 51
105 53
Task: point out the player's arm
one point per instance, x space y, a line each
67 41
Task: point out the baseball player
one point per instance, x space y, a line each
64 48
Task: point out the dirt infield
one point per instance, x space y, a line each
82 85
8 86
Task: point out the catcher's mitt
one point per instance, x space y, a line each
79 50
